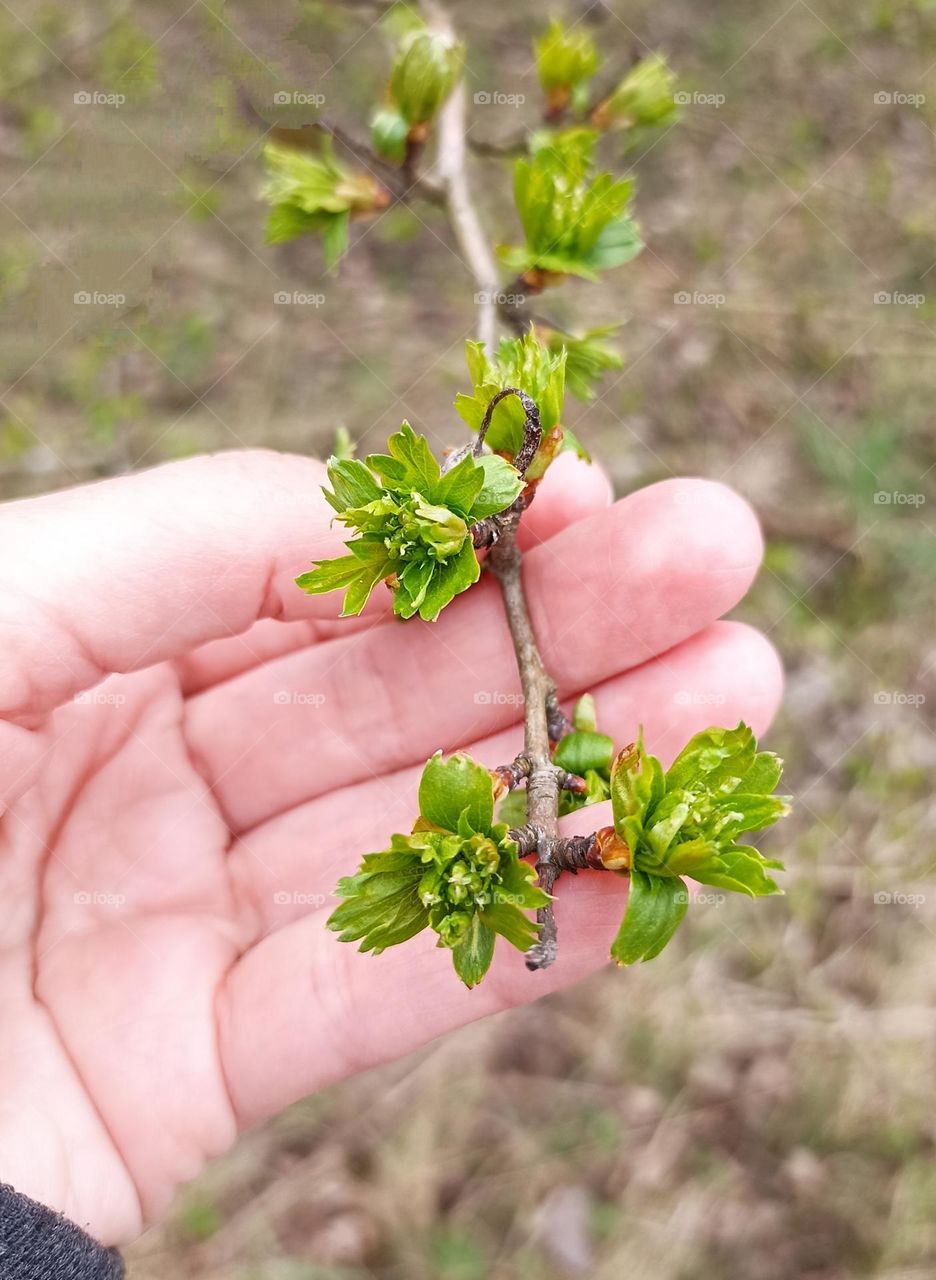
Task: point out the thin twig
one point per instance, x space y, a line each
466 225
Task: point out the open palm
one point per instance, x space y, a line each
191 753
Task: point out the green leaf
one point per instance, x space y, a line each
655 908
449 788
510 922
618 243
473 955
352 484
421 470
585 716
582 750
722 757
740 869
501 486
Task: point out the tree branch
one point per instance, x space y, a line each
453 171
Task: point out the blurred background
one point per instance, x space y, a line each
758 1101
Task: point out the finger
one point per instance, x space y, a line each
287 867
119 575
570 490
605 594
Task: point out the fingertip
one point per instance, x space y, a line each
570 490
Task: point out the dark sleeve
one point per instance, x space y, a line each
38 1244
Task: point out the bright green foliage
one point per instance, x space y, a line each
566 58
588 358
528 364
425 69
687 821
643 98
458 874
414 525
575 222
315 193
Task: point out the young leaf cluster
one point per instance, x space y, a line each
425 68
413 524
458 874
576 221
567 59
315 193
688 821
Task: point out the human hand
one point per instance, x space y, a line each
192 752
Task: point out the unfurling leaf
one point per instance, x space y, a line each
459 873
315 194
643 98
576 222
687 821
525 363
566 59
413 525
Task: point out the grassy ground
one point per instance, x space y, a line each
640 1124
